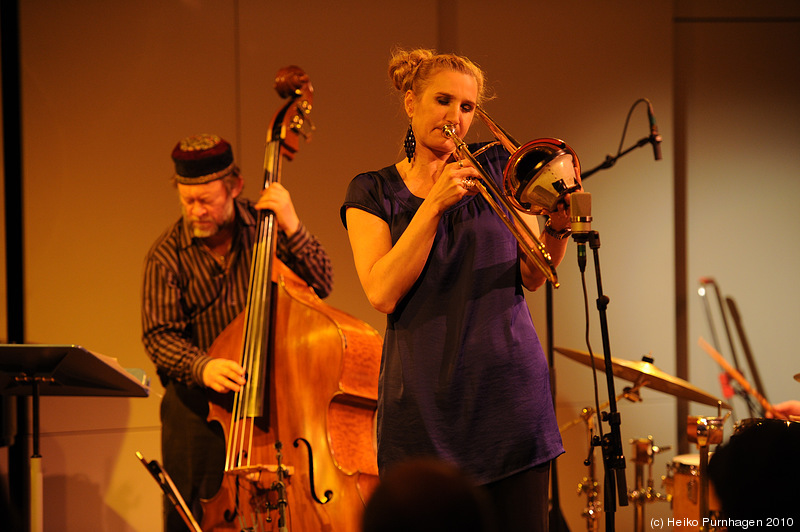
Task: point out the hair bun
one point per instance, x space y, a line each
404 63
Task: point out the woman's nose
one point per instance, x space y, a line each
453 114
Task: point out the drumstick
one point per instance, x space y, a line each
738 377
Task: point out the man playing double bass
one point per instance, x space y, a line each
196 280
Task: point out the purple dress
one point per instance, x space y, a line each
463 374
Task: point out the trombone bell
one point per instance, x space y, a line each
539 174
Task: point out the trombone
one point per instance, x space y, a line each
538 175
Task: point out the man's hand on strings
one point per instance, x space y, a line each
223 375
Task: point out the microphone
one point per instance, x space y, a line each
655 138
580 215
580 212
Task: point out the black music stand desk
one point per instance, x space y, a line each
36 370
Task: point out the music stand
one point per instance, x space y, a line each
29 369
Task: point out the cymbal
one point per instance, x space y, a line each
650 376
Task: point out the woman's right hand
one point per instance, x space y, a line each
386 270
453 184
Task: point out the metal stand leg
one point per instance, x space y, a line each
36 481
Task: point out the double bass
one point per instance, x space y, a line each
301 454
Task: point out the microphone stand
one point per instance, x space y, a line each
612 159
611 443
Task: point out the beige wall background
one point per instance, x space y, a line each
109 87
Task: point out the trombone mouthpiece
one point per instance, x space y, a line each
448 130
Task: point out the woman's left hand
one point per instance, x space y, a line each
560 219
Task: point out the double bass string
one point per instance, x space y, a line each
236 429
242 414
249 401
254 337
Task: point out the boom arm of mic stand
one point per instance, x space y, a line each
612 159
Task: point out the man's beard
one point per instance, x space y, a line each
209 227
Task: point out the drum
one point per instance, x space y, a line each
704 430
749 423
682 484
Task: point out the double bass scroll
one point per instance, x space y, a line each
299 436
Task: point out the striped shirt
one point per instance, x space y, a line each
189 296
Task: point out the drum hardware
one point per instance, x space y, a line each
630 393
704 431
591 512
643 452
588 486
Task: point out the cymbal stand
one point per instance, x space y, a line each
643 452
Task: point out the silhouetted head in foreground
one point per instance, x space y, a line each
755 474
427 495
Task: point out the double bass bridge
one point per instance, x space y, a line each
256 473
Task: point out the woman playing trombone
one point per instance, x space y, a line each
463 376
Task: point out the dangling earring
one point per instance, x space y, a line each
410 144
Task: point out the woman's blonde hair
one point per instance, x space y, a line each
413 69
